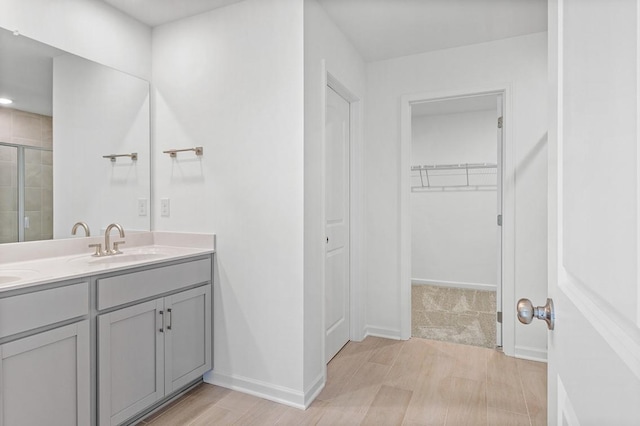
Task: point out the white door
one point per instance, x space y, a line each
594 351
337 223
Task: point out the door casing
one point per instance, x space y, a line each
507 251
356 206
336 262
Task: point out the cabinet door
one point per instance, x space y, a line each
45 378
187 337
130 361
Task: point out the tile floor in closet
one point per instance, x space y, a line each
388 382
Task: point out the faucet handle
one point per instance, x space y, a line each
116 244
98 248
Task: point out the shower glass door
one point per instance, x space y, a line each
26 193
8 193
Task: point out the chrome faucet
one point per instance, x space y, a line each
81 225
107 247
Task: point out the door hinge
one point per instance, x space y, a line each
499 317
499 220
499 122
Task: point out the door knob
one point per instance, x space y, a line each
526 312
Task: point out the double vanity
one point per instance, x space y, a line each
102 340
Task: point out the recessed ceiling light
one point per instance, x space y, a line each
5 101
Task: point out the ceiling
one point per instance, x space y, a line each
26 72
457 105
380 29
383 29
156 12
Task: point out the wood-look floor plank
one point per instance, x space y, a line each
388 407
310 416
263 413
412 359
507 397
344 366
534 383
366 345
369 374
169 406
385 382
349 408
238 402
497 417
428 404
215 415
471 362
502 368
504 386
193 406
386 353
350 405
467 402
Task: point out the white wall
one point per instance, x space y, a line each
323 41
98 111
454 232
231 80
520 62
88 28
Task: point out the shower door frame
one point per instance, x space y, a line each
20 183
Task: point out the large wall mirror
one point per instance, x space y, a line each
74 144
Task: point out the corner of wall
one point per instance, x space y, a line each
279 394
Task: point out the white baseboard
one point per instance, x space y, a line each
387 333
532 354
314 390
454 284
279 394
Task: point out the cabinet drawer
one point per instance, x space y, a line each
32 310
126 288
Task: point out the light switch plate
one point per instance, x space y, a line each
142 206
164 207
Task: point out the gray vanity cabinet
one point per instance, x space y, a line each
187 337
149 350
44 378
45 374
130 361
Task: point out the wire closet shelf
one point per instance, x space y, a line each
464 176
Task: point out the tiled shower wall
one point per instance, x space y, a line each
35 133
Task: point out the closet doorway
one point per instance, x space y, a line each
456 212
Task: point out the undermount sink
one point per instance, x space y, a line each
125 258
12 275
134 255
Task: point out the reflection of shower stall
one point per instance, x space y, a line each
26 177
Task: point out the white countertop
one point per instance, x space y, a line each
34 263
